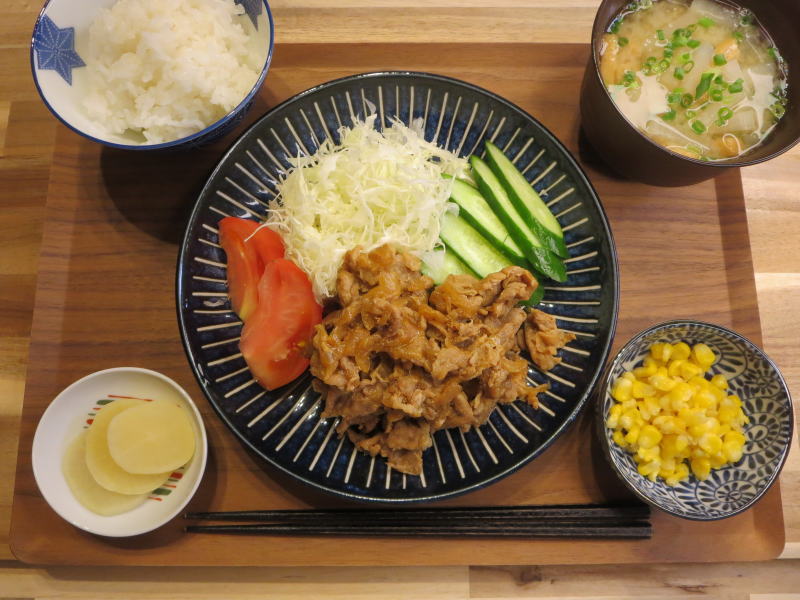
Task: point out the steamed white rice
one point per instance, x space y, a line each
166 69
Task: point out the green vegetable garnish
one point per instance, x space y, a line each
615 26
706 22
623 41
777 109
719 60
746 18
705 83
686 100
719 80
698 126
669 116
690 114
673 97
716 95
736 87
679 73
660 34
738 36
725 113
693 43
688 66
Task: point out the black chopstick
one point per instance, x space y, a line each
631 530
591 521
562 512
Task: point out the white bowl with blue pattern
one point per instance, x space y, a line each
59 43
766 401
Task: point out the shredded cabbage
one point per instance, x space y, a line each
373 188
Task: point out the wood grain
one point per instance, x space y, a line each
105 298
768 187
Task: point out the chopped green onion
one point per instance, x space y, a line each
669 116
660 34
746 18
651 60
686 100
623 41
719 60
663 65
667 52
705 83
738 36
673 98
719 123
687 68
691 29
778 110
773 52
686 57
698 126
690 114
706 22
615 26
719 80
716 95
693 43
679 73
725 113
736 87
628 78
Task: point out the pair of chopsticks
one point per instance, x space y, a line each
557 521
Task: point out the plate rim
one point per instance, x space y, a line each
515 466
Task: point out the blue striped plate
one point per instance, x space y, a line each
284 426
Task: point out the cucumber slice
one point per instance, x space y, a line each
476 211
527 201
449 265
476 252
471 247
540 257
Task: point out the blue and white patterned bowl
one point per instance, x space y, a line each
755 379
60 41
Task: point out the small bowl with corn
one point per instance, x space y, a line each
695 419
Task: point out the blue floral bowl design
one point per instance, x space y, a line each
766 401
59 43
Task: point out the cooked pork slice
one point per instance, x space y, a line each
400 360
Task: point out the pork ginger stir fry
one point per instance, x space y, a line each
401 359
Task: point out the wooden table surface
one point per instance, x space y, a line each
27 132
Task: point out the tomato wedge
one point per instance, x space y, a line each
276 335
249 248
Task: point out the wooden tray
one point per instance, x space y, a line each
105 298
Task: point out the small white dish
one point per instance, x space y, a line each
72 411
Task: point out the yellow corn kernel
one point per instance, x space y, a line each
629 376
680 395
633 435
735 436
735 400
646 370
619 438
662 370
642 390
648 454
681 351
733 451
627 419
674 367
703 355
727 414
689 370
704 399
656 350
692 418
672 480
653 405
717 460
649 436
664 402
711 443
621 390
663 383
701 467
720 381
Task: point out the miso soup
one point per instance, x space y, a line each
699 77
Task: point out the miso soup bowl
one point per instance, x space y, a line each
632 154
